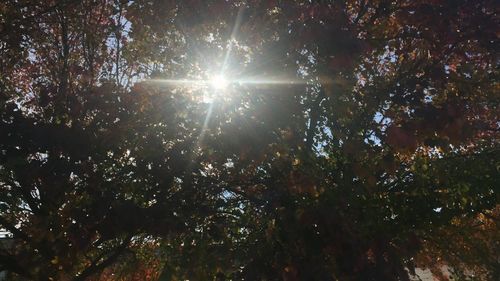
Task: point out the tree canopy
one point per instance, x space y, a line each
249 140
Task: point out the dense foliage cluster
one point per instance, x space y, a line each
354 140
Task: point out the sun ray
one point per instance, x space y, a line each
220 82
236 26
269 82
180 82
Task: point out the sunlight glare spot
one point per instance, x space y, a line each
219 82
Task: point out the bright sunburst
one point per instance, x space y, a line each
219 82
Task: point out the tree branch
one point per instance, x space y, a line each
95 267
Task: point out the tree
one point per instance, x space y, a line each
351 141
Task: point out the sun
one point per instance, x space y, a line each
219 82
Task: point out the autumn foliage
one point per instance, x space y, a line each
352 140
